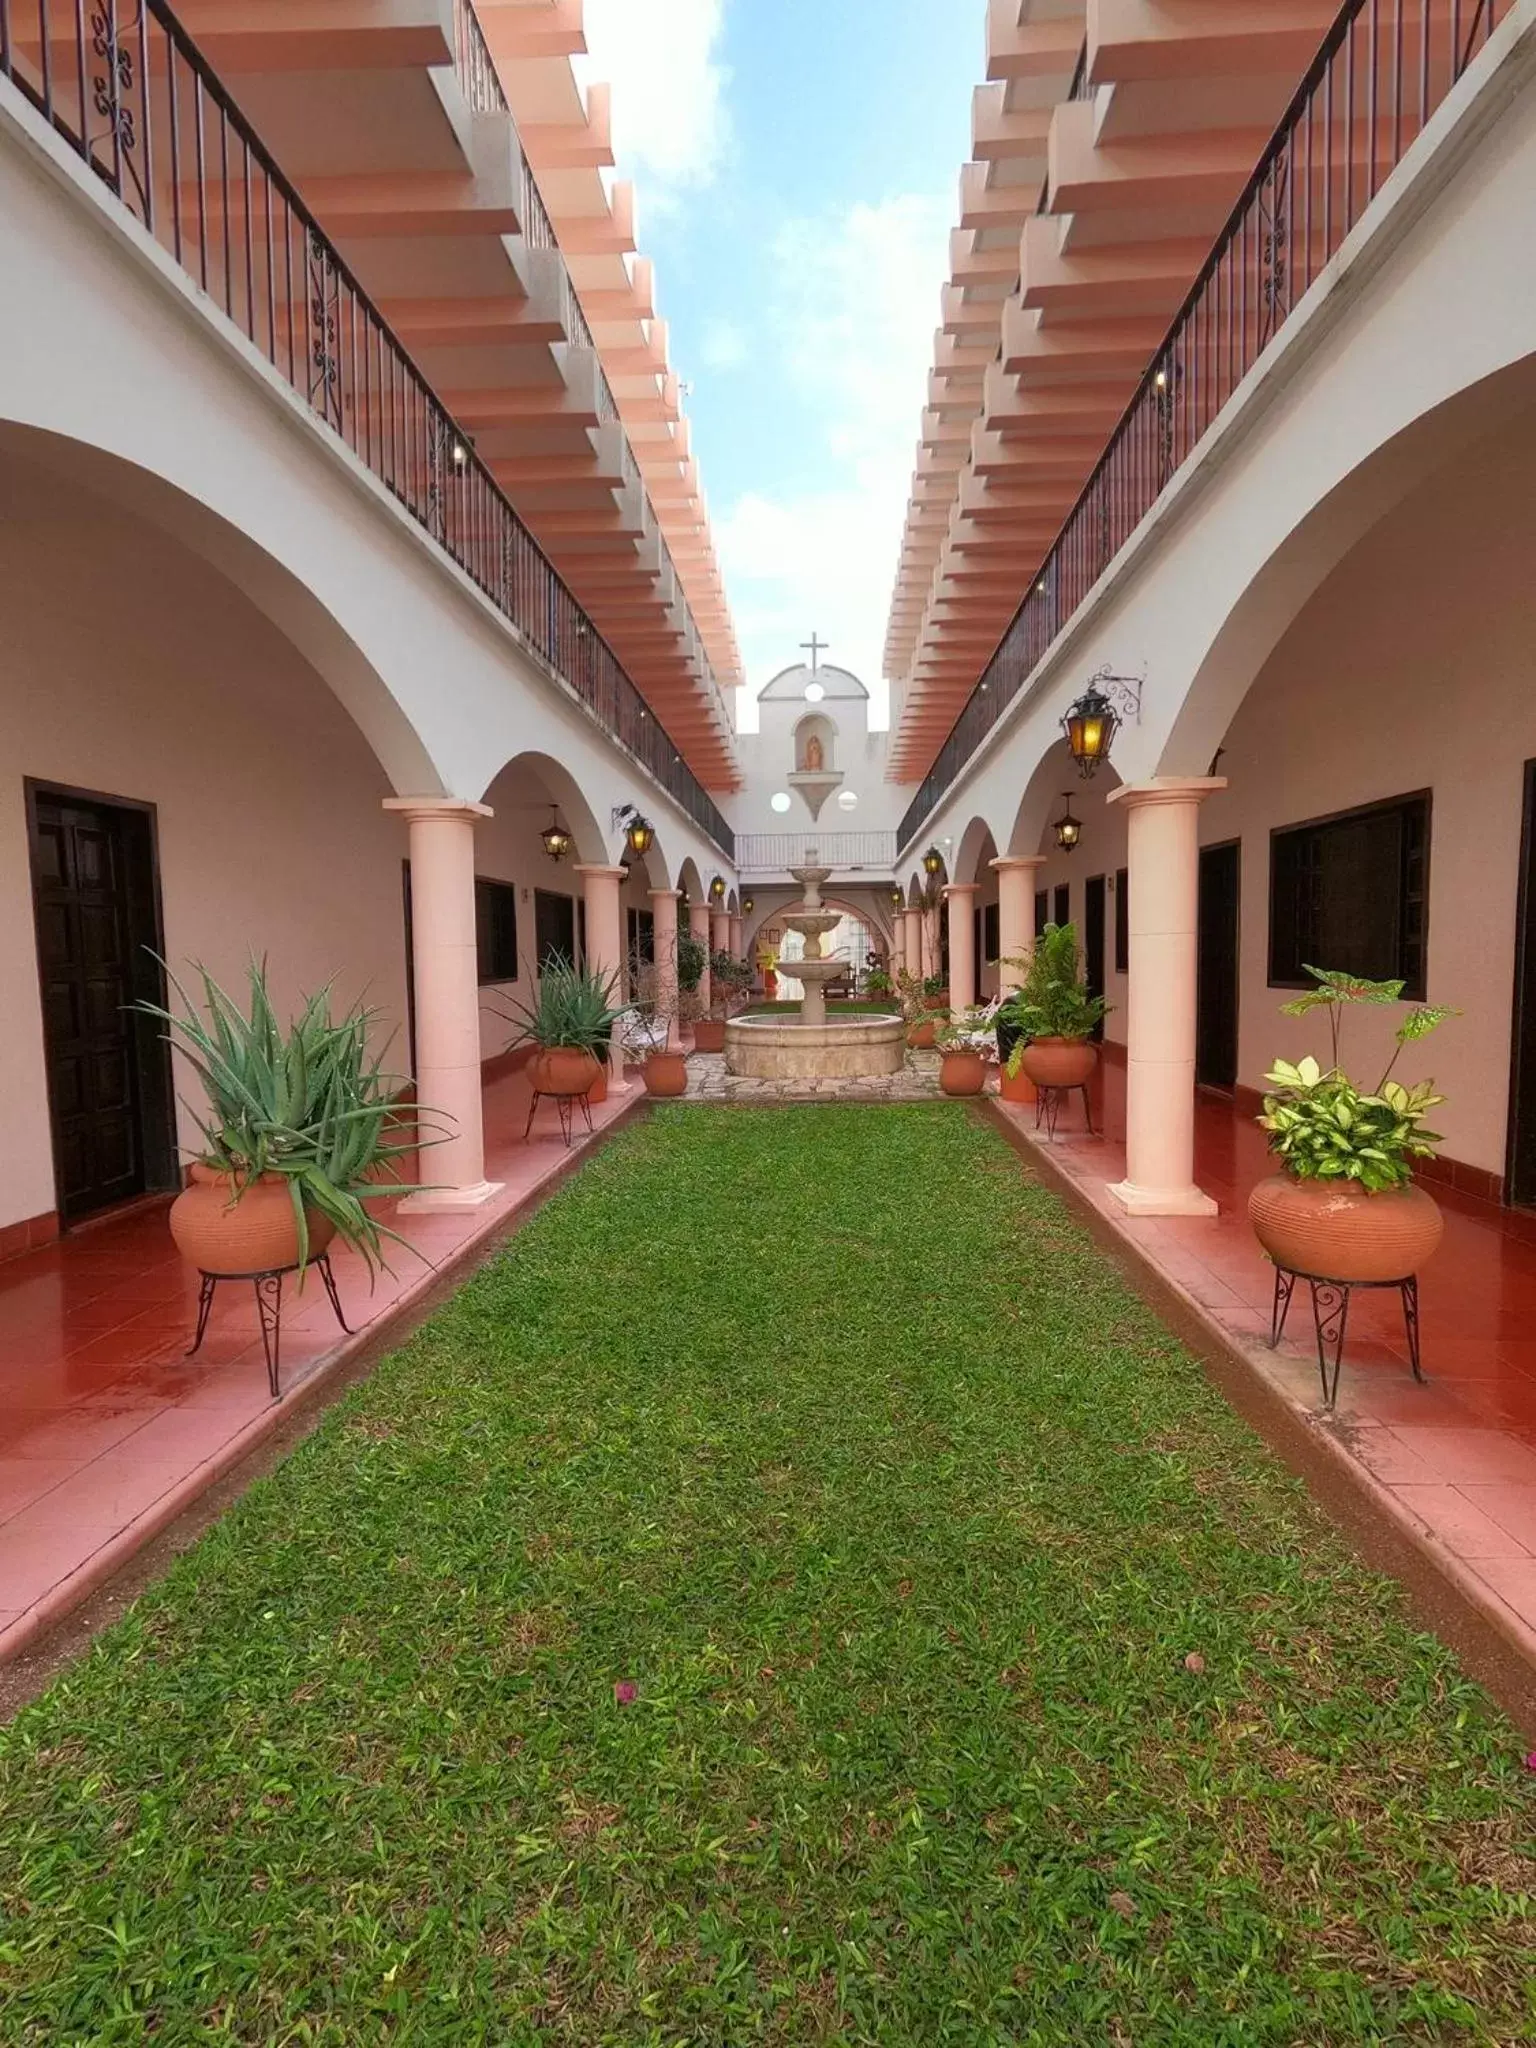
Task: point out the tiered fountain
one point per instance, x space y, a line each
808 1047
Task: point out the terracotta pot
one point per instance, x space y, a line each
938 1002
921 1036
709 1035
1016 1087
598 1092
666 1073
256 1234
563 1070
1060 1062
1339 1232
962 1073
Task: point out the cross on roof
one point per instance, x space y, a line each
815 647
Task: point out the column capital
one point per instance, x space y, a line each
961 888
1021 861
657 894
585 868
1167 789
412 808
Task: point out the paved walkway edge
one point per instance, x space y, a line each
1497 1647
326 1380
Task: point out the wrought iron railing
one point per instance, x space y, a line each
770 852
128 90
1383 70
476 66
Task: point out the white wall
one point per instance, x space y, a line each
131 669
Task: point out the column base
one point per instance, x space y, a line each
438 1200
1139 1201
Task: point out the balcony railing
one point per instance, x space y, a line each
771 852
476 66
126 88
1382 72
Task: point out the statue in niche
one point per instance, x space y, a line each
813 755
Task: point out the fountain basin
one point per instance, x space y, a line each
844 1048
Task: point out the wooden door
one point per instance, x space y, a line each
1093 940
1520 1168
94 902
1216 1011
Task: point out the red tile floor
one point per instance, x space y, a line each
1455 1459
108 1429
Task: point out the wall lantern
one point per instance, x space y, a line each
639 832
717 890
557 841
1092 722
1068 829
933 861
897 899
746 906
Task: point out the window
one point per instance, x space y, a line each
1122 921
641 936
1062 911
1042 911
495 930
1352 892
554 928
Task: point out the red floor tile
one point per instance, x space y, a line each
1460 1523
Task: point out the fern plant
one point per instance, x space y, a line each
1054 1001
309 1100
1325 1128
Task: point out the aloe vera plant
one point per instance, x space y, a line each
309 1100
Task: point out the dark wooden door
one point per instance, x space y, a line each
93 892
1217 988
1061 908
1520 1168
1093 940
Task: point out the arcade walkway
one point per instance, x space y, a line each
795 1594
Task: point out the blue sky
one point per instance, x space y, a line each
796 165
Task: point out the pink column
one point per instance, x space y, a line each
928 942
962 944
698 924
1163 855
1015 913
734 923
720 931
447 995
664 911
600 888
912 925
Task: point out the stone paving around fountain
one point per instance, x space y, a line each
918 1081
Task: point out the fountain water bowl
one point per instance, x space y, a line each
810 1047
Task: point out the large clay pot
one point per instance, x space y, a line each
921 1036
1016 1087
563 1070
1060 1062
962 1073
1339 1232
938 1002
666 1073
598 1092
256 1234
709 1035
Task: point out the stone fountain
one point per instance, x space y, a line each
810 1047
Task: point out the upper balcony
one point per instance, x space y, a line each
1380 74
132 94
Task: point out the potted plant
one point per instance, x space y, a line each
878 985
1013 1084
1055 1014
728 977
569 1024
302 1124
1346 1206
935 994
663 1063
922 1025
964 1042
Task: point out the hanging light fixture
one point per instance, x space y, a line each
1068 829
557 841
897 899
933 861
746 906
717 889
1092 722
639 832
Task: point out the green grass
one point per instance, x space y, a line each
831 1434
834 1005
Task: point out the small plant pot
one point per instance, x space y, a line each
938 1002
666 1073
920 1036
709 1035
256 1234
563 1070
1016 1087
1060 1062
962 1073
1339 1232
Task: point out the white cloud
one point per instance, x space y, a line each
669 120
853 306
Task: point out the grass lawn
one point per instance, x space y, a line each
991 1683
840 1007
